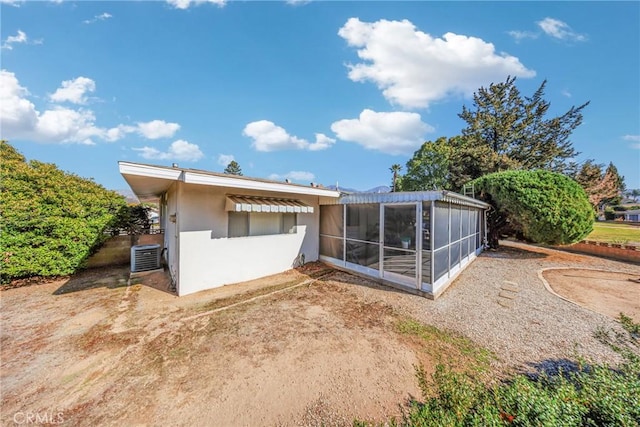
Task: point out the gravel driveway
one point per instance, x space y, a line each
500 302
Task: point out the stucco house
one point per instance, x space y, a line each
221 229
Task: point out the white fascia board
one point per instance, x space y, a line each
218 181
149 171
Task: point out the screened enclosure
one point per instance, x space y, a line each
417 240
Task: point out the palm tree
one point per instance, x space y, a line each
395 168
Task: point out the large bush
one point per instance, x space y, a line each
541 206
51 220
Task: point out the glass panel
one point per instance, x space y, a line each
455 254
400 262
426 266
455 223
470 248
441 263
331 220
289 223
465 222
238 225
331 247
400 227
363 222
366 254
426 226
441 225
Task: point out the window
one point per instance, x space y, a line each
242 224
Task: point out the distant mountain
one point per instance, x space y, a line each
378 189
128 195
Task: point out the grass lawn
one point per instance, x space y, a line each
615 233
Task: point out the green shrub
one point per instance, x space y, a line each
51 220
541 206
595 395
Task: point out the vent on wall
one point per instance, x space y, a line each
145 257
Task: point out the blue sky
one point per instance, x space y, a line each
312 91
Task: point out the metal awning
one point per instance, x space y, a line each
266 204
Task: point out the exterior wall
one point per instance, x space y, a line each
208 258
169 207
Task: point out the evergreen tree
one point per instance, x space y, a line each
233 168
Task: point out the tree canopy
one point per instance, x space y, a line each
541 206
504 131
603 186
233 168
52 220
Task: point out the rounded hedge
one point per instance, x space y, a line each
545 207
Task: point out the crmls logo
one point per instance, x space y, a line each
47 417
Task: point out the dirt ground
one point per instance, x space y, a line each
607 292
91 350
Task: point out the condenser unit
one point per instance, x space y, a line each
145 257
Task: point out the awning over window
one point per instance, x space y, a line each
266 204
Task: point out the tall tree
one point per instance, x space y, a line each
504 131
395 169
516 127
233 168
602 187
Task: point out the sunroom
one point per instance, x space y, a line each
415 241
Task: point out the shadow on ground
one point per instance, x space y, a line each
107 277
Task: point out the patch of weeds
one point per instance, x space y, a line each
99 337
447 347
591 395
629 325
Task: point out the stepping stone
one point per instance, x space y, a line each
510 288
507 295
505 303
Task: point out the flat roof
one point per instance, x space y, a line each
151 181
412 196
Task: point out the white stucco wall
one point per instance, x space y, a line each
209 259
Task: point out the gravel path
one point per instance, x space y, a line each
500 302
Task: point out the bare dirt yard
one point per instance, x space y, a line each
308 347
607 292
302 351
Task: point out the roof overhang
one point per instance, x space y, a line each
150 182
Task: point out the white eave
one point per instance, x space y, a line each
148 181
412 196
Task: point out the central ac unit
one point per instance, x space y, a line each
145 258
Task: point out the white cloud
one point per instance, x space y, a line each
634 139
559 30
185 4
322 142
102 17
225 159
522 35
157 129
267 136
565 92
392 133
20 37
178 150
19 118
74 91
297 2
414 69
294 176
14 3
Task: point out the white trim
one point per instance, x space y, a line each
149 171
248 184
